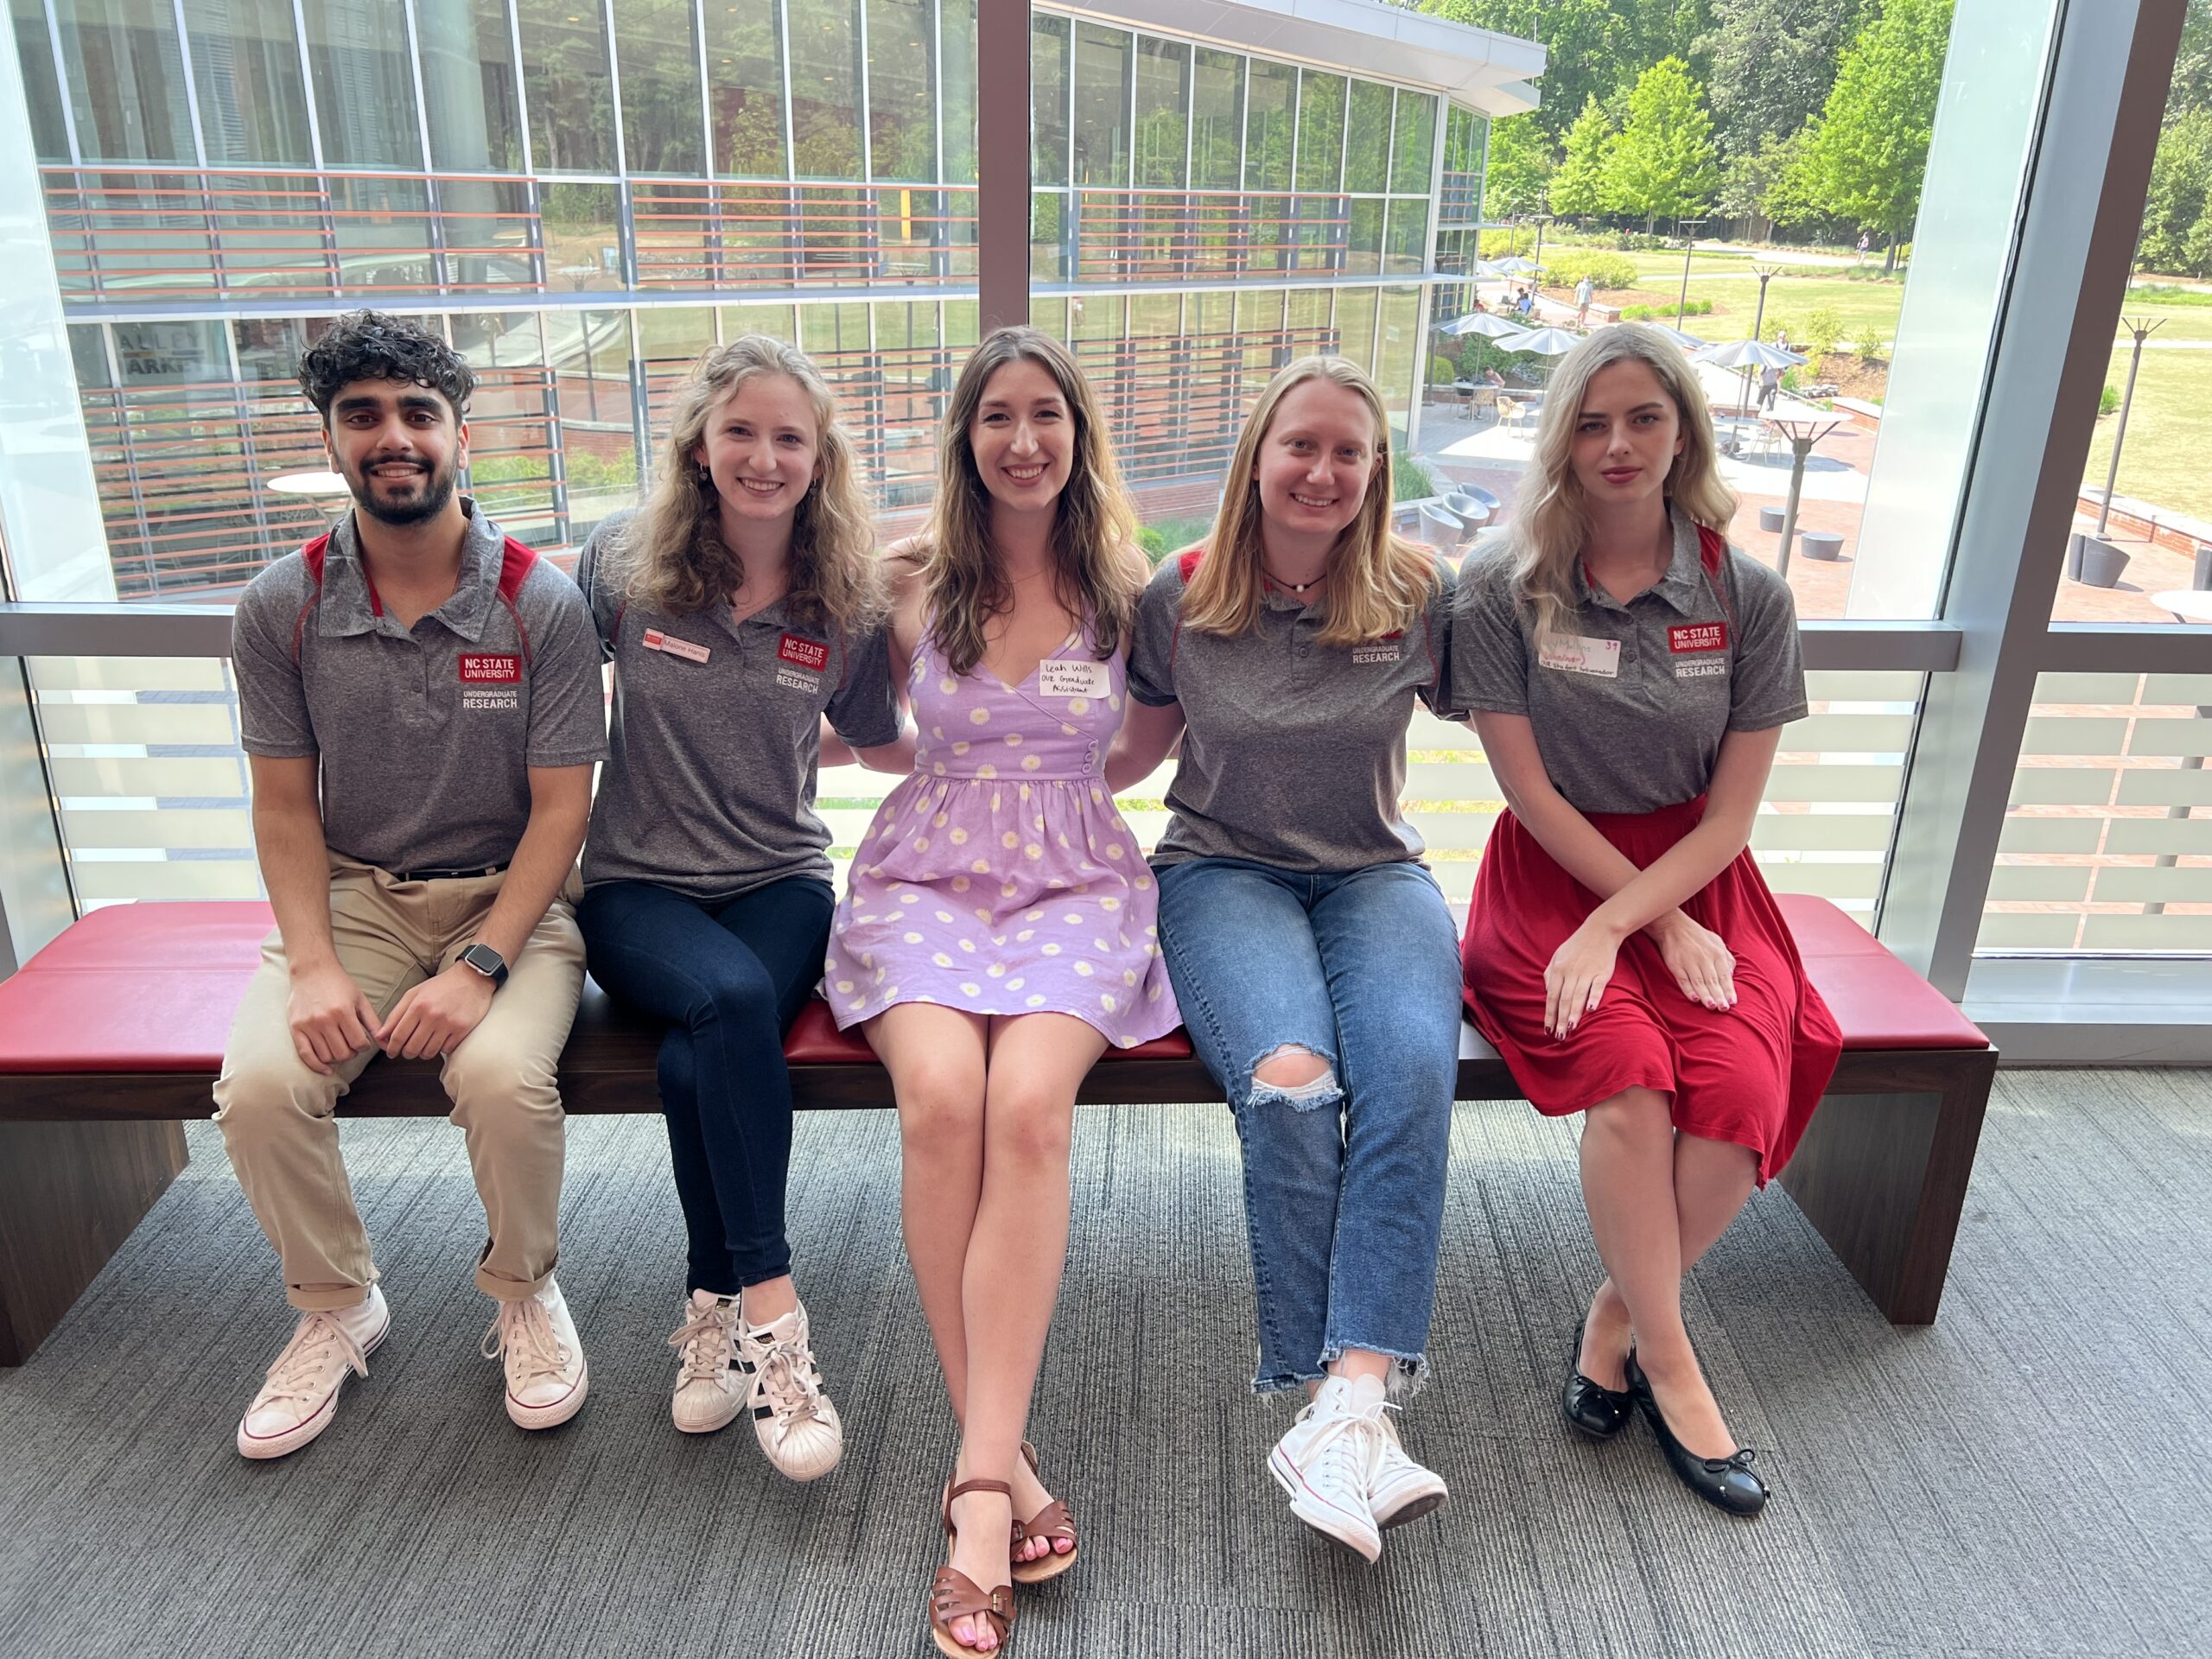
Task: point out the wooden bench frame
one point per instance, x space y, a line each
1882 1171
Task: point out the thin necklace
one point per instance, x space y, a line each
1295 587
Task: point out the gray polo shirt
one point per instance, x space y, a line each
717 736
1630 705
1293 752
427 734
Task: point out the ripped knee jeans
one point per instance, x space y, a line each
1327 1005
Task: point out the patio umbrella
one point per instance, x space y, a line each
1517 266
1482 322
1544 342
1748 354
1489 270
1688 342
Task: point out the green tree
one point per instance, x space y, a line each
2181 188
1520 167
1664 165
1866 157
1748 177
1593 47
1581 184
1770 64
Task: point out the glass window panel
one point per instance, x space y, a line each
1320 131
383 232
962 328
126 79
1217 120
49 135
511 429
902 82
589 354
1048 98
1048 228
1356 326
776 322
571 89
745 88
658 55
1367 139
583 245
825 88
1407 244
245 65
88 355
1163 96
1260 312
1159 316
1397 346
1267 125
1098 316
1103 59
364 84
956 47
1307 314
469 85
170 353
1050 315
1413 142
1363 239
823 329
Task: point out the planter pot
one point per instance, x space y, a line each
2103 564
1820 544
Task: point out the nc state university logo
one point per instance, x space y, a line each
1697 636
493 670
802 653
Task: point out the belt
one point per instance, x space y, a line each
471 874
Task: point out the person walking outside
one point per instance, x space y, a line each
1583 290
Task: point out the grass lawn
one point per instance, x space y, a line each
2169 432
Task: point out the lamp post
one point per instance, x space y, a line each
1543 219
1765 274
1802 435
2142 328
1688 228
1512 235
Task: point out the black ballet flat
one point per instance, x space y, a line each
1598 1411
1726 1483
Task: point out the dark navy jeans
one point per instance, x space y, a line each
1344 1179
730 978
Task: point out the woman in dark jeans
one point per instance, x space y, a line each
739 607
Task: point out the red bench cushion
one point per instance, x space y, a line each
152 988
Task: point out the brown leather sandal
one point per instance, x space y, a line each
955 1595
1052 1522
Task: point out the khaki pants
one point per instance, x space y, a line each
277 1114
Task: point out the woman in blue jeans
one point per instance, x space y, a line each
1312 954
740 607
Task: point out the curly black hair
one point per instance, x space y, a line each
374 346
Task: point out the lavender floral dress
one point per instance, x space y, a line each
999 878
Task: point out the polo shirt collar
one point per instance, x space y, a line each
1681 588
350 604
775 615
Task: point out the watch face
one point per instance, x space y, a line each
484 960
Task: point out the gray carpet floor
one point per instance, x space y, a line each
2031 1476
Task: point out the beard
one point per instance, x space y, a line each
425 498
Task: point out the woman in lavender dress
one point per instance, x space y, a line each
999 929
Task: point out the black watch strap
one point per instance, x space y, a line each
488 962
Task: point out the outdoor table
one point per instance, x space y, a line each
2188 604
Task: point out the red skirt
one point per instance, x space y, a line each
1750 1075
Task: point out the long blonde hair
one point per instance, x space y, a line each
1378 581
1097 571
1552 522
674 559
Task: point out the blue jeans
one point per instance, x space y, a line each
730 977
1344 1179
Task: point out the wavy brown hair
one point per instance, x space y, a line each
673 558
1378 581
1551 520
1097 571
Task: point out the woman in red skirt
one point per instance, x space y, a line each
1630 675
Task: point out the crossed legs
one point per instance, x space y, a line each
986 1108
1658 1201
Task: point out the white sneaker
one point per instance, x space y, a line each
797 1425
710 1390
1322 1462
300 1395
1398 1488
547 1378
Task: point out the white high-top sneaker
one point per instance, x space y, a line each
547 1378
710 1390
298 1397
798 1427
1398 1488
1322 1462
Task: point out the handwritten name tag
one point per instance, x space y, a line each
1579 653
656 641
1072 676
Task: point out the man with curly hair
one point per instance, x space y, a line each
420 698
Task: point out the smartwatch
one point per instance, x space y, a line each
488 962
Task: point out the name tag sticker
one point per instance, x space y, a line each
1697 636
656 641
812 655
1579 653
1072 676
479 668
